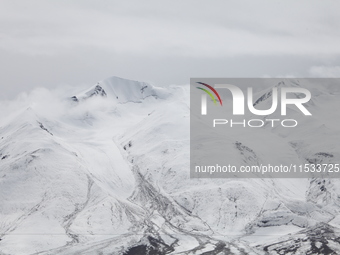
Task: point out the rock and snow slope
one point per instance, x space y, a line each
109 174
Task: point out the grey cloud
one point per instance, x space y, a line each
46 43
325 71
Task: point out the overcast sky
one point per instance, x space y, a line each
63 42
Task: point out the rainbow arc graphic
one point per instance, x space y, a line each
209 93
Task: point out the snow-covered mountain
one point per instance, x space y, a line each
107 172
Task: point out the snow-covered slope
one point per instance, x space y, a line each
122 91
109 174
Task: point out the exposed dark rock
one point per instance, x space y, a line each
43 128
74 98
320 239
154 247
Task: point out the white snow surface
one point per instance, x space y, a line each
108 171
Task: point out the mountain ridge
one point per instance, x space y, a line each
111 175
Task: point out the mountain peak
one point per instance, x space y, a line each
267 93
121 90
